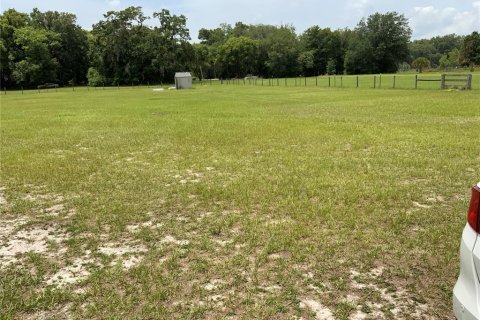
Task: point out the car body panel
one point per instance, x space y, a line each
466 294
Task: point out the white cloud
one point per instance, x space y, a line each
431 21
113 3
358 7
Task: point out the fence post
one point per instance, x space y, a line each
22 89
394 81
341 81
374 81
5 90
416 81
329 81
357 81
380 82
443 82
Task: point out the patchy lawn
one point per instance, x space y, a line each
234 202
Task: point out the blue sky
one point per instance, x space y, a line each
427 18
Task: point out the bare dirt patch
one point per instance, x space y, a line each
321 312
397 300
171 240
73 273
16 242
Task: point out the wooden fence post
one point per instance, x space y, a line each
329 81
357 81
394 81
416 81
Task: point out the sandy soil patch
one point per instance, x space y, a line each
213 284
321 312
420 205
133 228
3 201
171 240
73 273
399 298
15 243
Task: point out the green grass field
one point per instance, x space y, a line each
234 202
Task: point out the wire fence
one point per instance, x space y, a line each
390 81
73 88
380 81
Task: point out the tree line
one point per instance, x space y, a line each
49 47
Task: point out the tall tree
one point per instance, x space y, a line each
38 64
470 52
282 50
120 46
379 45
326 46
173 52
238 56
10 51
71 53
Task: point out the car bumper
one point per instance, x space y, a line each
467 289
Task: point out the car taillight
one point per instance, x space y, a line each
474 210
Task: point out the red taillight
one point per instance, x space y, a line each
474 210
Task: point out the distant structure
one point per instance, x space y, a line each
183 80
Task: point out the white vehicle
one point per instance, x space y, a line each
466 294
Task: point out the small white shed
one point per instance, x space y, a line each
183 80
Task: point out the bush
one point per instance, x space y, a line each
94 77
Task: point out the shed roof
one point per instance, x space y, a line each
182 74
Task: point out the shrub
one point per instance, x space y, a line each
94 77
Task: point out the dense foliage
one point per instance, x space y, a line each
43 47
